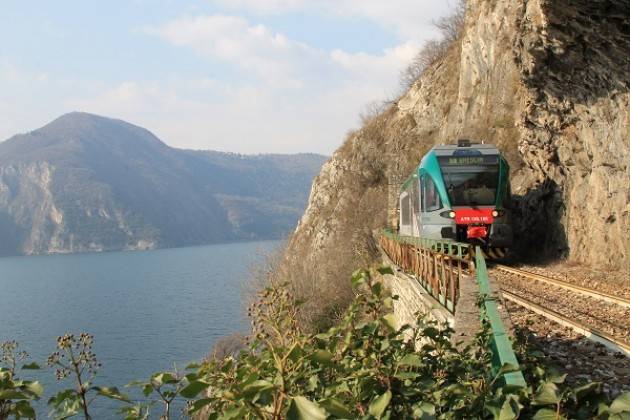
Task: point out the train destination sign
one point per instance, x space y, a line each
468 160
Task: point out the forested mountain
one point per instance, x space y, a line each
89 183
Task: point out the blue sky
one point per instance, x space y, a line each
246 76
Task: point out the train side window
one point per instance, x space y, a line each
431 196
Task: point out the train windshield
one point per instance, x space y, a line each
471 180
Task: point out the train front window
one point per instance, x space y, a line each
471 182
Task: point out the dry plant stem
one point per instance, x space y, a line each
167 404
80 388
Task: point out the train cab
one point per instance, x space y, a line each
459 192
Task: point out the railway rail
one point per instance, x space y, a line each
598 316
589 332
565 285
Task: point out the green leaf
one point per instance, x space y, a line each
135 382
163 378
112 393
336 408
431 332
24 409
312 383
147 389
12 394
545 414
425 411
510 409
304 409
390 321
406 375
35 388
377 289
256 387
358 278
411 360
585 390
323 357
386 270
234 413
507 368
70 407
193 389
31 366
199 404
621 404
61 396
558 378
546 394
379 405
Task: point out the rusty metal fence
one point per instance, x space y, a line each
437 265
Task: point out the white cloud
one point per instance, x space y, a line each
410 19
300 99
282 95
253 48
380 69
9 72
246 119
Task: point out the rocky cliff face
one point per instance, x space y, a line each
548 81
88 183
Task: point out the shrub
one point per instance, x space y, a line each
450 28
363 367
16 394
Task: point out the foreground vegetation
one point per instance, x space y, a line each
364 367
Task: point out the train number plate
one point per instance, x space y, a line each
473 216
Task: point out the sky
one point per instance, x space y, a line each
245 76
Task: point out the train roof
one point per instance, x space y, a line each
430 161
448 149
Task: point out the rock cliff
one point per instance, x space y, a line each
548 81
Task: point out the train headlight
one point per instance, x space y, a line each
495 213
448 214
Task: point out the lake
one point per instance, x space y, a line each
147 310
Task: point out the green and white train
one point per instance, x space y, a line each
459 192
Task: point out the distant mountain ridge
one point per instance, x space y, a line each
89 183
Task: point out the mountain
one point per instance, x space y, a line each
89 183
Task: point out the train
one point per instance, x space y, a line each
462 193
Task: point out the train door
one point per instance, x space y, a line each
431 205
415 208
405 214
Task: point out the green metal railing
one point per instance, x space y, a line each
502 351
457 250
437 265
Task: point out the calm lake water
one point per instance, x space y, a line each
147 310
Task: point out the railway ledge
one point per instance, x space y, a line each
413 299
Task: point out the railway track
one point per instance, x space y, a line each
565 285
580 327
598 316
